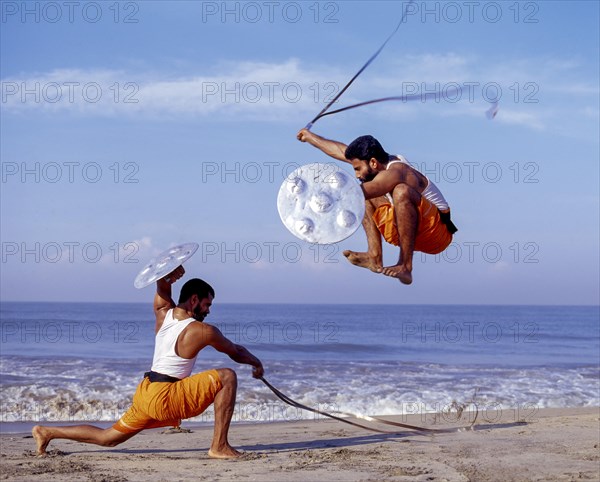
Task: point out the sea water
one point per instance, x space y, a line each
75 362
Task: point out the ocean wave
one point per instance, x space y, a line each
101 390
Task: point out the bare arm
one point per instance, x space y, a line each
242 355
383 183
163 300
334 149
212 336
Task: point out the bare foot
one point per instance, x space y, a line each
227 452
364 260
397 271
42 439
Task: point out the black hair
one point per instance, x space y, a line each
366 147
195 286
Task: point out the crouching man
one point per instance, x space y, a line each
169 392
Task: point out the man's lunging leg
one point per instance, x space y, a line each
80 433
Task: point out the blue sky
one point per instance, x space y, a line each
129 127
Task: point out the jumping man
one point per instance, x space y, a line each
402 204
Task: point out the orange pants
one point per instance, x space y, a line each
164 404
432 237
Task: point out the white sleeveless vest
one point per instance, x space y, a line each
166 361
431 192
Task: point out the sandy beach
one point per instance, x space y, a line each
548 445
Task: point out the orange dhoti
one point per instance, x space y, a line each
432 236
164 404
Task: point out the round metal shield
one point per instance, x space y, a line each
320 203
164 263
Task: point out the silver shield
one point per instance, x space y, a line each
320 203
164 263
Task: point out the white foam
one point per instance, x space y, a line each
95 392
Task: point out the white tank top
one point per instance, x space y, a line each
166 361
431 192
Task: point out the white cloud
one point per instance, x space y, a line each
293 88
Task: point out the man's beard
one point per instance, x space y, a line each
370 175
198 315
